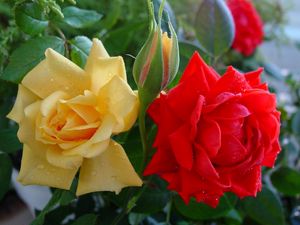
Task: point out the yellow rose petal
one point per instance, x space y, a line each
24 98
49 105
35 169
102 134
56 73
121 101
110 171
56 158
27 126
105 69
97 51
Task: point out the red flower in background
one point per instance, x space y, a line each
214 133
248 26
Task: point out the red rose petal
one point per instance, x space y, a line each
247 183
253 78
232 81
209 136
182 147
198 68
156 166
230 111
232 151
259 101
203 165
271 155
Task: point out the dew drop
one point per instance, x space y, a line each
51 79
67 88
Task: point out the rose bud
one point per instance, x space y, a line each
157 63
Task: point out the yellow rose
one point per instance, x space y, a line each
66 117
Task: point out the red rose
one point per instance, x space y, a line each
214 133
248 26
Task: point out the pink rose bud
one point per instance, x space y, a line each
157 63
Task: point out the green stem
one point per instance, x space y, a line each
142 127
168 217
62 35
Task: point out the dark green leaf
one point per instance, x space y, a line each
88 219
153 199
287 181
214 27
80 18
296 123
118 40
201 211
134 149
80 47
136 218
5 174
265 209
28 55
9 142
29 17
39 220
69 195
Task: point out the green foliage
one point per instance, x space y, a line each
28 55
89 219
287 181
9 141
214 27
201 211
5 173
80 48
30 18
80 18
266 209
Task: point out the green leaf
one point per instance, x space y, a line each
154 198
87 219
296 123
80 49
136 218
201 211
55 199
9 142
30 18
5 174
80 18
265 209
214 27
28 55
69 195
134 149
286 181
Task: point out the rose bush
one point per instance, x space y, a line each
66 118
214 133
248 26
